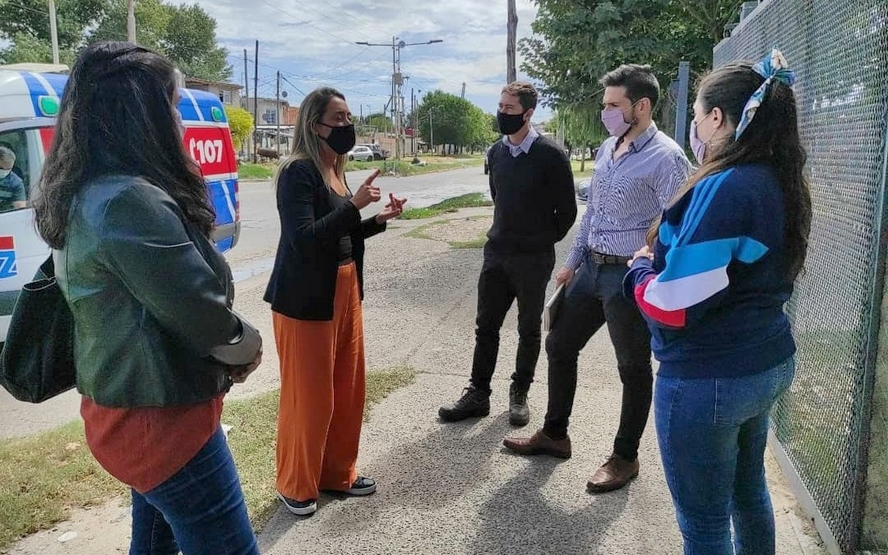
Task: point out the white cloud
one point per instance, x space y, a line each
312 43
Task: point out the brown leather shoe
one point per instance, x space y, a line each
539 444
614 474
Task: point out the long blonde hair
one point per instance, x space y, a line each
306 142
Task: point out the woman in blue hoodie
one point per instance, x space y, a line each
712 288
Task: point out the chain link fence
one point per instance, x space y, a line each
839 51
668 109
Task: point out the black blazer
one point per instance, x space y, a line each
303 282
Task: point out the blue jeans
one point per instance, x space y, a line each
200 510
712 435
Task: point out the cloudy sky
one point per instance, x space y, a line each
313 43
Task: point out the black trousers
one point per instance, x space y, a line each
594 297
506 276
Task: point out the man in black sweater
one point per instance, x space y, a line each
532 187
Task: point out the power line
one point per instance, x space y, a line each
350 60
340 12
292 85
319 78
27 8
309 23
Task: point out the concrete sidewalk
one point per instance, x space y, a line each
453 489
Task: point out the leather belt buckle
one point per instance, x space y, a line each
600 258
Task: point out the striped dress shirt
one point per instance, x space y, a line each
627 194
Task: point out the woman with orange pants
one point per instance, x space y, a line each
315 292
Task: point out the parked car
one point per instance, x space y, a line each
361 153
379 153
583 189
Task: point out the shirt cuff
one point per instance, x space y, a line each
574 258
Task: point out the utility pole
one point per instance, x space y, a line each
397 101
131 21
463 96
681 110
256 105
413 121
511 73
277 117
397 81
54 32
431 133
247 92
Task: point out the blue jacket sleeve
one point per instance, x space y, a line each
719 226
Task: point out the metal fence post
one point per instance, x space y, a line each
681 106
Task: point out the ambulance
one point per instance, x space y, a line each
29 104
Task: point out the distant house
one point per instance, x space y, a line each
228 93
266 111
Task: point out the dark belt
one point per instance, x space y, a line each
600 258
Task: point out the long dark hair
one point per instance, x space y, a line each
771 138
117 117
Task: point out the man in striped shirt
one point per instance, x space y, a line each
637 172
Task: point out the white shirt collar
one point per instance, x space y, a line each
525 145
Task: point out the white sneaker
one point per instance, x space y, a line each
362 486
299 508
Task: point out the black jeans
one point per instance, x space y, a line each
506 276
594 297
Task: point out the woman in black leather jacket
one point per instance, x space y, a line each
156 342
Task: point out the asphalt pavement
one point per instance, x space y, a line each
451 489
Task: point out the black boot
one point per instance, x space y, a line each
473 404
519 412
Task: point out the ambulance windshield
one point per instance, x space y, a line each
14 174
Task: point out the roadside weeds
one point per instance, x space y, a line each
49 474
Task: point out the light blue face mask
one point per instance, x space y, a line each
4 173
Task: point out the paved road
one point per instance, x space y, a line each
260 231
453 489
250 259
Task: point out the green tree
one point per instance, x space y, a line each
185 34
453 120
27 48
240 122
483 134
31 18
25 24
190 41
379 121
152 21
581 126
577 41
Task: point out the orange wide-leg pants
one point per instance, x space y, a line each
322 395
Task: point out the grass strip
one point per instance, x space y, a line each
470 200
48 474
255 171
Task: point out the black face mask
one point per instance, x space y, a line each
342 138
509 124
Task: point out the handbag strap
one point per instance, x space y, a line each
48 268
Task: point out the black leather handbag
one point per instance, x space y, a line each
37 361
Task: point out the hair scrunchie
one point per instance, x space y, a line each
772 67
